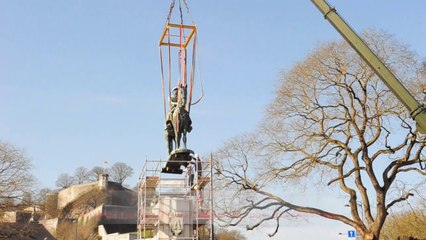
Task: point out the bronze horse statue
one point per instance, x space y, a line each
179 120
178 124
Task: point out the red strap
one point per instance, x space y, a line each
182 57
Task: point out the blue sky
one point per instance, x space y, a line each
80 80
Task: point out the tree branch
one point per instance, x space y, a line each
402 198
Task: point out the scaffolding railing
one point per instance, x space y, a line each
155 188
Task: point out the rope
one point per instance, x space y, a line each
191 77
172 5
199 74
162 84
189 13
182 69
182 56
182 64
181 14
176 108
170 67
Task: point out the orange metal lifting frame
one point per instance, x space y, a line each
169 27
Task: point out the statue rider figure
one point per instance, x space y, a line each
173 101
178 115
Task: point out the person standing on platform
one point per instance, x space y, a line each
190 169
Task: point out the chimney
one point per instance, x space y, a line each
103 181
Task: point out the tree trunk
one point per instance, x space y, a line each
369 236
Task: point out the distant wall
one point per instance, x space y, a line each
113 214
115 236
50 225
18 217
71 193
123 236
9 217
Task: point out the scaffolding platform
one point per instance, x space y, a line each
202 182
150 220
167 204
151 182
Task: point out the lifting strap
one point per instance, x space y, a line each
162 83
182 66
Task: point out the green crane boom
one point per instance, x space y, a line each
417 110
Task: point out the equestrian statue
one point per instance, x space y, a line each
178 124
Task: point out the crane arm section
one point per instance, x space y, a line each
417 110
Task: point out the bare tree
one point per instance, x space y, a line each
64 180
28 199
95 172
15 177
120 171
81 175
40 196
332 124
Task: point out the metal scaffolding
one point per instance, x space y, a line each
169 208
